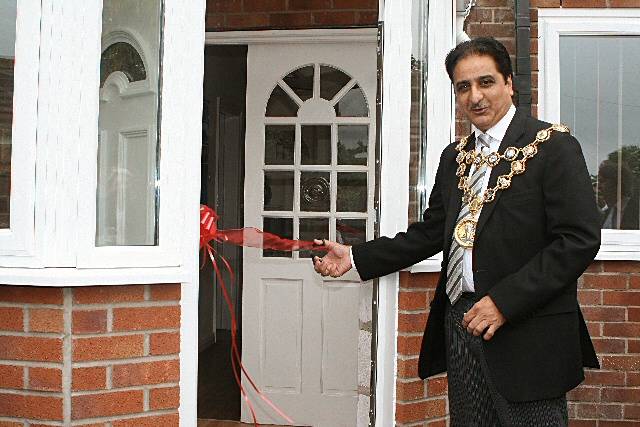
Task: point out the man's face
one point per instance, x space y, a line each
481 91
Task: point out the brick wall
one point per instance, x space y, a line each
289 14
99 356
609 292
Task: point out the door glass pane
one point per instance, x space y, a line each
279 142
598 101
313 228
331 81
128 149
283 227
351 231
353 144
7 57
301 81
352 104
280 104
315 191
316 145
352 192
278 191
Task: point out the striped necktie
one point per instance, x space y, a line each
456 253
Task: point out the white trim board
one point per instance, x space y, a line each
318 35
554 23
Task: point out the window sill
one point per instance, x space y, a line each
91 277
430 265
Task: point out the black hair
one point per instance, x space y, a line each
486 46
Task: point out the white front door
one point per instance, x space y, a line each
310 171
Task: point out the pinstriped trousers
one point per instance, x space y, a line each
473 399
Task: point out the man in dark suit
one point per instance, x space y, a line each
514 213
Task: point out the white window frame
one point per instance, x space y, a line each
553 23
56 98
17 243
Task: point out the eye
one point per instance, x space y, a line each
462 87
486 82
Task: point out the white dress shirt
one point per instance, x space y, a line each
494 135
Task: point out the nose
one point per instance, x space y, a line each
476 94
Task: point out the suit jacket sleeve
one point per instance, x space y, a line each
422 239
573 228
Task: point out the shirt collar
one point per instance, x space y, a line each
498 130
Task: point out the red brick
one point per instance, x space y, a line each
214 22
253 6
169 420
46 320
533 14
108 294
620 394
11 376
413 322
290 20
634 346
583 423
503 15
164 343
254 20
584 394
604 314
146 373
409 345
621 330
598 377
31 349
609 345
632 412
490 3
11 424
589 297
545 3
620 423
166 292
164 398
307 5
584 3
619 266
596 266
624 3
104 348
407 368
142 318
366 18
423 280
621 363
89 321
46 379
599 411
29 406
595 329
11 319
437 386
438 423
31 294
106 404
630 298
418 411
354 4
604 281
412 301
219 6
496 30
413 390
634 281
89 378
334 18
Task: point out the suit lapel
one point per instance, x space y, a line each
511 139
455 196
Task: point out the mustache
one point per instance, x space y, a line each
478 106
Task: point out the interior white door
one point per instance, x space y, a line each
310 170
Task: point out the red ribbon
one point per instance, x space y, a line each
254 238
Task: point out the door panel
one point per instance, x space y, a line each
309 172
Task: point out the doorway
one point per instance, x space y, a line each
222 188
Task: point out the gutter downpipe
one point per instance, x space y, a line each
522 78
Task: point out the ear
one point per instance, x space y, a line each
509 84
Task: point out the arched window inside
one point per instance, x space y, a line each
122 56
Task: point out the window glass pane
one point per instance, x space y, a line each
301 81
352 192
128 151
352 104
316 145
418 133
315 191
313 228
281 105
353 144
283 227
331 81
278 191
279 142
598 88
7 57
351 231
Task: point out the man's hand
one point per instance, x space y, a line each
483 316
336 262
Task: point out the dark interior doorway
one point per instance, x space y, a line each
222 188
